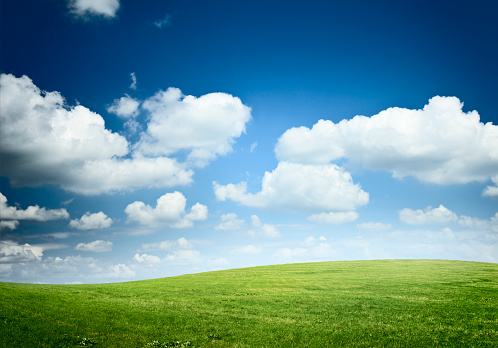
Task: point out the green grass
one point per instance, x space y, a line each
395 303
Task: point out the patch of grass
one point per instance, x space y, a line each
398 303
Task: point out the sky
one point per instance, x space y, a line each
141 140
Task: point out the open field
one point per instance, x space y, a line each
400 303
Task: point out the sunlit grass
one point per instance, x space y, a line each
398 303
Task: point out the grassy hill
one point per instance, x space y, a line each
397 303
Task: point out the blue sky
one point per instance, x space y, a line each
143 140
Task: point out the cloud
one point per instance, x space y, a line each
491 191
184 257
43 141
229 222
106 8
30 213
91 221
166 20
120 270
133 81
262 230
125 107
205 127
147 259
168 245
439 144
253 146
12 252
334 218
480 224
299 188
439 215
169 211
8 224
374 226
97 246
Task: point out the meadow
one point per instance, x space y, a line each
385 303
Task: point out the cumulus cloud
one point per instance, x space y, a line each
264 230
334 218
169 211
30 213
205 127
13 252
97 246
439 215
43 141
438 144
301 188
125 107
8 224
491 191
120 270
106 8
147 259
89 221
229 222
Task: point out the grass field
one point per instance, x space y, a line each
387 303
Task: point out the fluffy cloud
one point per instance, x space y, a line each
299 187
98 246
124 107
229 222
334 218
260 229
8 224
169 211
439 215
146 259
491 191
106 8
438 144
205 127
12 252
91 221
30 213
43 141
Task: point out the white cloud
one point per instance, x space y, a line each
184 257
30 213
439 215
262 230
169 211
8 224
438 144
133 81
299 187
147 259
491 191
480 224
374 226
125 107
106 8
229 222
46 142
204 126
12 252
120 270
91 221
253 146
97 246
334 218
168 245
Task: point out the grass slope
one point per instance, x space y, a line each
398 303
